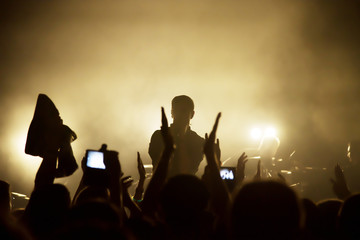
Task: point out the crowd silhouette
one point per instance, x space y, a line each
176 204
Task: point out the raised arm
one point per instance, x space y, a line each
135 211
138 197
159 177
257 176
113 169
240 171
47 170
220 194
58 159
340 187
133 203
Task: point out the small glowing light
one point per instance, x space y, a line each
256 133
286 172
270 132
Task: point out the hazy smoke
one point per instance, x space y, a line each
110 65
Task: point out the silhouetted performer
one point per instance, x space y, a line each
189 145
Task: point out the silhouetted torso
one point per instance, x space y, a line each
187 156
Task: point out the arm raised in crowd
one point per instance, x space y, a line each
47 170
257 176
108 178
240 169
142 175
158 179
339 184
113 169
135 211
240 172
133 203
220 195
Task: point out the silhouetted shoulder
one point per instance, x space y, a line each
156 146
156 140
156 134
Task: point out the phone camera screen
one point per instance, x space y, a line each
95 159
227 174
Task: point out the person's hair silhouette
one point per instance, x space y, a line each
182 111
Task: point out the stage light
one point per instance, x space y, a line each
27 162
256 133
270 132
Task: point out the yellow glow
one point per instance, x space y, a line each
109 66
27 161
270 132
256 133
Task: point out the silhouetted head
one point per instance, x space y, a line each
47 209
98 210
349 218
183 202
52 197
328 217
182 109
312 223
96 219
184 195
266 209
90 193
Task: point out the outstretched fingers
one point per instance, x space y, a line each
243 158
212 136
240 173
140 166
164 121
258 172
167 138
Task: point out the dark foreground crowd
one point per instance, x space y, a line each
181 206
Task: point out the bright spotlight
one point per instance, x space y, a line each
270 132
256 133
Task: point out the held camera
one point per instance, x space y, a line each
227 173
95 159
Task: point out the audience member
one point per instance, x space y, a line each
188 153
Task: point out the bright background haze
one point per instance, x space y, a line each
110 65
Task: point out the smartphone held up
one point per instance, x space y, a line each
95 159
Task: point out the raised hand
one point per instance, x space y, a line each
165 132
209 146
257 176
112 163
158 179
240 169
140 167
126 183
218 151
140 187
340 187
220 195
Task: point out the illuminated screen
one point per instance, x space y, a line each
227 174
95 160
